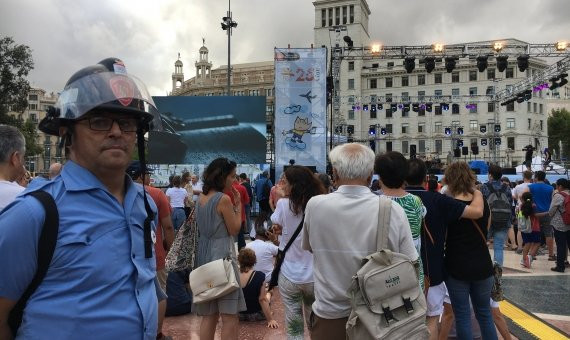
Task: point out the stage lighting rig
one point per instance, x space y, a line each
410 63
522 62
429 63
482 62
502 62
450 64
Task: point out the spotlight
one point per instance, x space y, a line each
410 63
429 107
497 141
407 107
497 128
522 62
502 62
460 131
354 107
498 46
394 107
373 107
380 107
444 106
348 41
383 131
561 45
423 106
372 130
400 106
415 107
429 63
365 107
437 47
376 48
483 141
482 62
447 131
459 143
482 128
357 107
563 82
350 129
520 99
450 64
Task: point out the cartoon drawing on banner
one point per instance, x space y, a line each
295 136
308 96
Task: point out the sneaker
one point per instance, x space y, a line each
556 269
519 251
552 258
527 261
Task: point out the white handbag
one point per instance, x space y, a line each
213 280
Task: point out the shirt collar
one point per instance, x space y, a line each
353 189
77 178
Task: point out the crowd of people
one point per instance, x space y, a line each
102 272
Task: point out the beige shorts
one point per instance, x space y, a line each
162 275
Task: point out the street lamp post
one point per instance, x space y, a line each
228 25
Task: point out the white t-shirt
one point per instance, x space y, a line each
518 190
264 253
8 192
197 186
298 264
177 196
341 229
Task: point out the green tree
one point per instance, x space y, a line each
559 130
15 64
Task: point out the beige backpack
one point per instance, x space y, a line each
386 299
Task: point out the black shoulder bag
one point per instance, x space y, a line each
46 247
281 256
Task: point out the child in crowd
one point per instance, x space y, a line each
531 240
263 246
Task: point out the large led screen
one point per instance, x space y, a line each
197 130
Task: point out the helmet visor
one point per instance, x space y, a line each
109 91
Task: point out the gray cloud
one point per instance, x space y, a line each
147 34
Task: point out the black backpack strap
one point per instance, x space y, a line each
46 247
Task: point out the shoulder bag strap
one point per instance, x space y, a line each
46 248
480 232
294 236
384 210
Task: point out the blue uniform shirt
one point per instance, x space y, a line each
260 185
541 195
99 284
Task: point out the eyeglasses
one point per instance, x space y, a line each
106 123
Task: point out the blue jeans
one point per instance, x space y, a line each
499 238
480 293
178 217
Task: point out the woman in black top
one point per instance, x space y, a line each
253 285
467 261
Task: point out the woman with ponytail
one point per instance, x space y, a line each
531 241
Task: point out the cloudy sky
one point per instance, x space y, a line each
66 35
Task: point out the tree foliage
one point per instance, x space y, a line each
559 130
15 64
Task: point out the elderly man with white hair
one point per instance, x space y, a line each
54 170
340 229
12 152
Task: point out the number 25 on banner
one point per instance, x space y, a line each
301 74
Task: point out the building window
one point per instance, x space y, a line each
323 17
509 72
421 127
421 95
389 128
472 91
510 123
529 123
351 65
389 82
438 94
390 64
437 110
330 16
473 125
351 84
388 97
455 109
33 117
352 14
437 127
373 83
33 97
438 146
473 108
490 73
344 15
388 146
455 77
491 107
405 147
455 92
534 106
473 75
511 143
437 78
372 114
528 106
421 79
541 125
405 128
337 15
33 106
405 81
405 96
541 109
422 146
351 99
350 114
389 112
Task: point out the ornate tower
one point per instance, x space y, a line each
203 66
178 75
